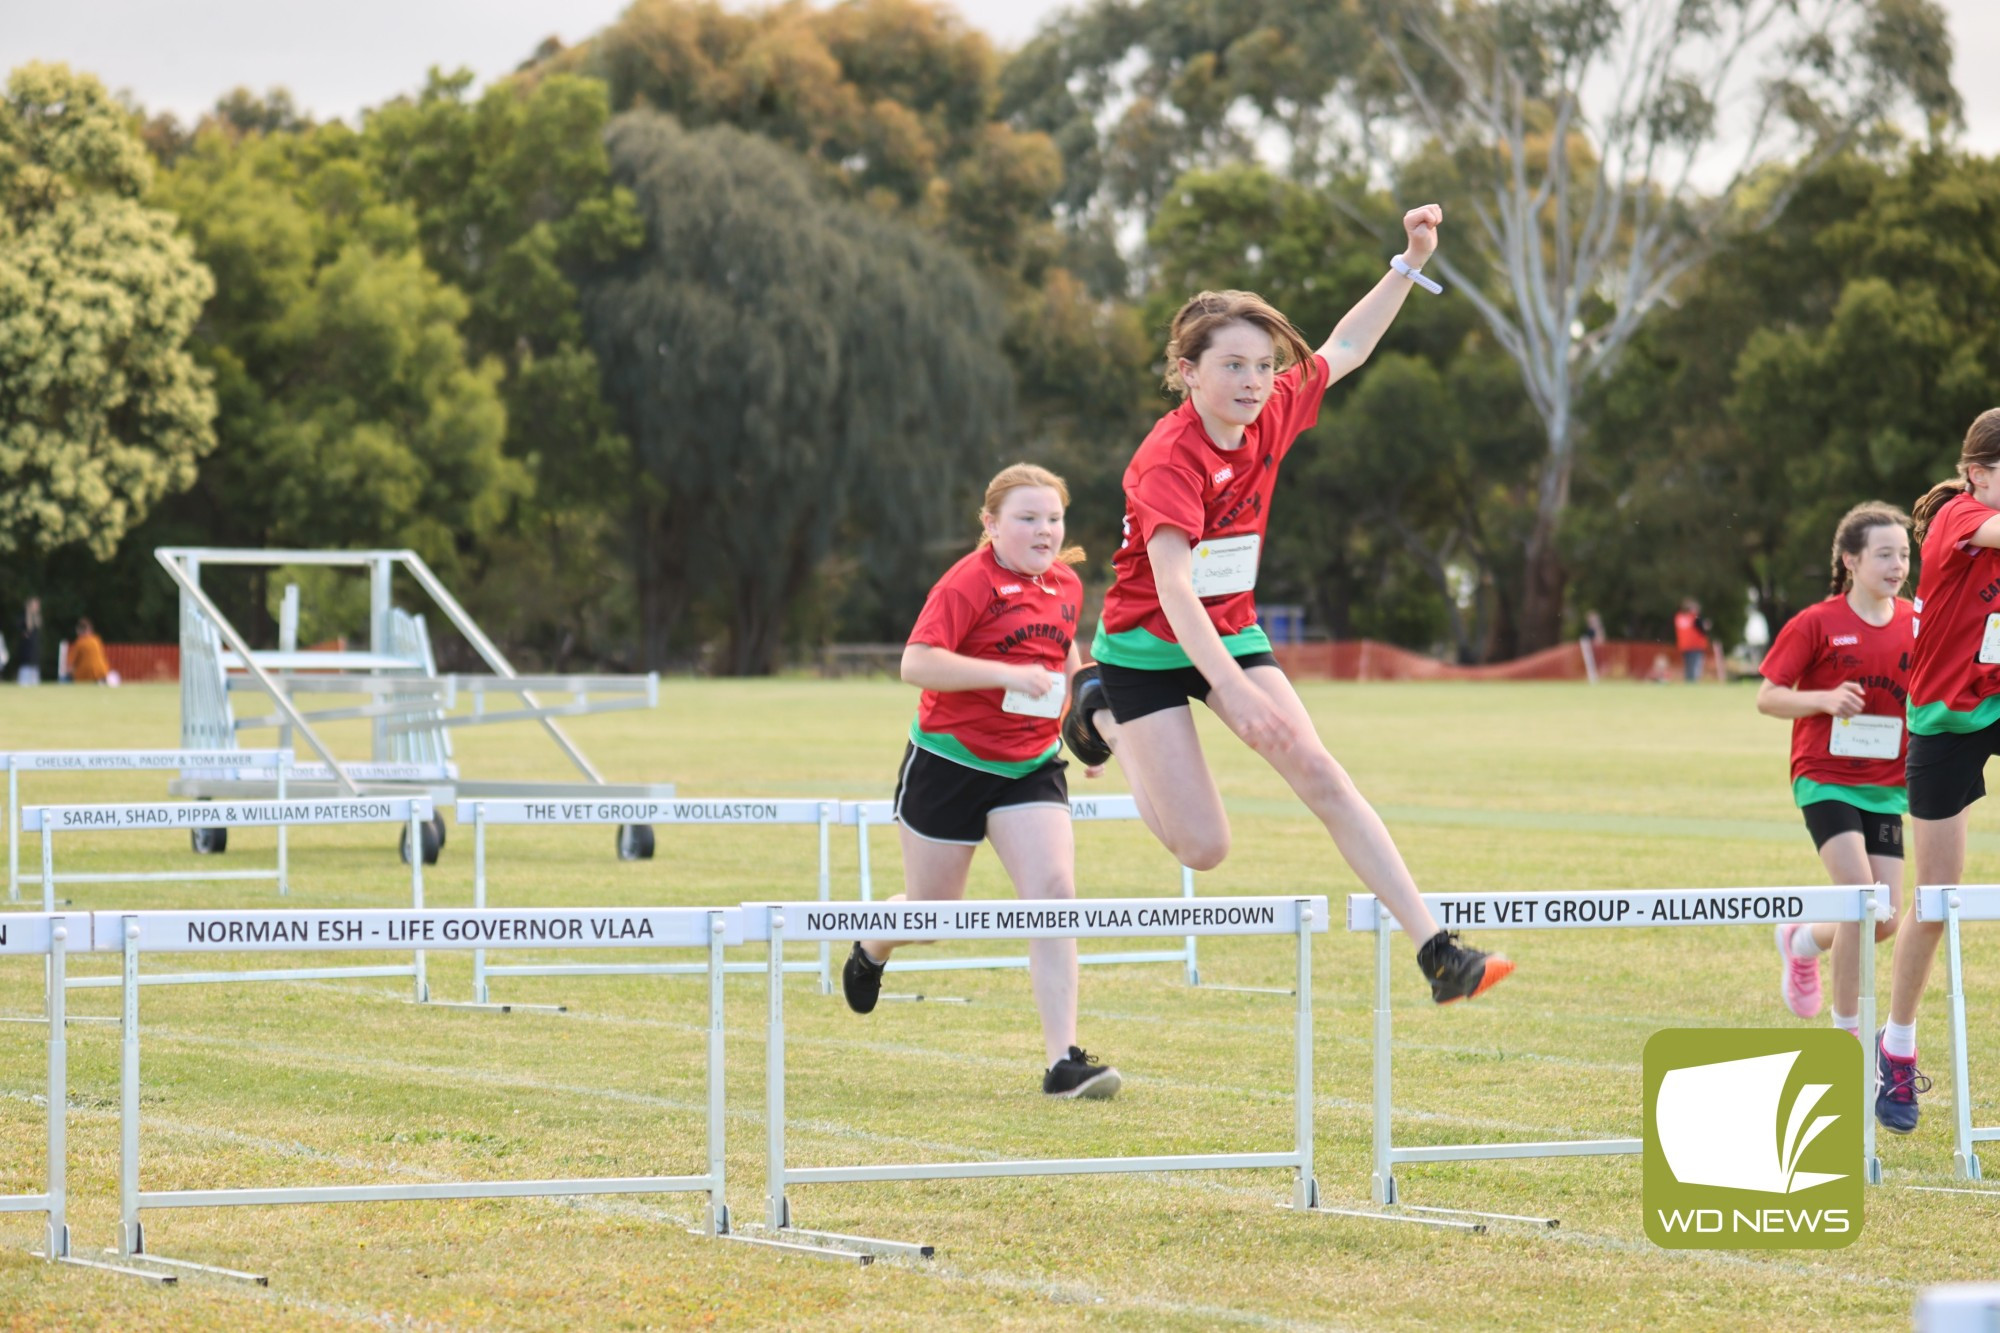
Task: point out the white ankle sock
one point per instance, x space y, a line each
1803 944
1848 1023
1900 1040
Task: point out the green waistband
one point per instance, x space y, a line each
1142 650
1875 800
1936 719
947 746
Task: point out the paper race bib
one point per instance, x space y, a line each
1866 736
1227 565
1989 647
1049 705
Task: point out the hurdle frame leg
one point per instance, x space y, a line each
1965 1156
481 999
776 1231
1871 1161
1382 1182
56 1245
131 1230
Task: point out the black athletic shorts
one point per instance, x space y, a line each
1883 834
941 801
1947 772
1135 691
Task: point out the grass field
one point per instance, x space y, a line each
1488 787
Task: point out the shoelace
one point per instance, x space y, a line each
1080 1056
1906 1081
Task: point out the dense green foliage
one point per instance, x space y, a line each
695 342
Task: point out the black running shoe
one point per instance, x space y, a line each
861 980
1081 1075
1079 733
1456 972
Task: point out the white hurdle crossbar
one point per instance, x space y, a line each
864 815
275 763
410 811
1952 904
597 810
1601 909
134 933
1301 917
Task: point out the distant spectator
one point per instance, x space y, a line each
87 663
1691 631
1661 672
30 672
1593 630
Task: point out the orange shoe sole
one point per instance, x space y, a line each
1497 970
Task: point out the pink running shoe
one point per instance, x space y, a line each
1801 985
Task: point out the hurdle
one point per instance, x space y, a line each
52 936
1300 917
276 763
133 934
575 811
864 815
1613 909
436 780
1952 904
48 820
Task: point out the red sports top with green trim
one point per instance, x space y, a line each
980 609
1950 688
1179 478
1824 646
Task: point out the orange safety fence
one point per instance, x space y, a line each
136 662
1366 659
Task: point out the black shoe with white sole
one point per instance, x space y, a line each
1081 1075
1079 732
861 980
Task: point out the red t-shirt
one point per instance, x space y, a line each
1687 633
1950 688
1824 646
1179 478
979 609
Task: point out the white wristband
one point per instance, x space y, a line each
1402 266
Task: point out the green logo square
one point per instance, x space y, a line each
1753 1139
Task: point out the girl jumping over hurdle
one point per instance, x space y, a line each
1180 622
1841 671
993 652
1954 728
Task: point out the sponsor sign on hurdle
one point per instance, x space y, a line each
1590 910
864 815
1952 904
410 811
583 810
52 937
133 934
1105 918
275 764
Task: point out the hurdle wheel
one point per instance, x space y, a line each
433 844
635 842
209 841
437 822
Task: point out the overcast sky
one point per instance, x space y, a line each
181 56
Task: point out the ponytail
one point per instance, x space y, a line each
1934 499
1982 449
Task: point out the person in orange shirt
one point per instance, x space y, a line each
87 662
1691 637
